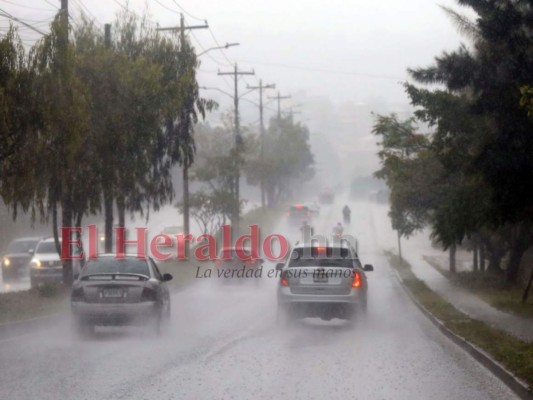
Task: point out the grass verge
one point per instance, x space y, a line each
37 302
514 354
489 287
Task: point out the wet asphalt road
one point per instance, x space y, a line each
223 343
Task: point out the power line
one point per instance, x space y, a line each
7 15
27 7
187 13
84 10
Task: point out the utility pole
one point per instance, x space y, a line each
262 132
186 162
107 28
238 140
278 98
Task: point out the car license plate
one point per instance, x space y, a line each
320 278
112 293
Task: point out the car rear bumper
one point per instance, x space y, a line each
115 314
46 276
285 296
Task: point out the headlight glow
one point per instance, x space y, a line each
36 263
7 262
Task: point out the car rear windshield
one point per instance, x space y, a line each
22 246
47 248
130 265
321 257
300 209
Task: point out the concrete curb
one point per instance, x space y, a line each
519 387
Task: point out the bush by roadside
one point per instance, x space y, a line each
491 288
514 354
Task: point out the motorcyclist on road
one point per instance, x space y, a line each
306 229
338 230
346 212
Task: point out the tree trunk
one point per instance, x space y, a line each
400 247
452 250
495 258
186 206
520 245
121 210
108 211
79 219
67 222
55 229
475 261
481 257
528 287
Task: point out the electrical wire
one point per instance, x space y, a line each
187 13
25 6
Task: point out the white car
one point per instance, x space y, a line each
46 265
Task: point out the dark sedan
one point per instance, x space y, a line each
113 291
17 258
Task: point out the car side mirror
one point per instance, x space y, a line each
279 266
261 261
31 252
368 268
167 277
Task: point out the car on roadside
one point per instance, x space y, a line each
298 214
46 265
237 264
16 260
116 291
322 281
313 207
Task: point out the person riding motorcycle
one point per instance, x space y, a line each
338 230
306 229
346 212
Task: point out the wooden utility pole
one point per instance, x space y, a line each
262 133
278 98
238 140
107 28
186 162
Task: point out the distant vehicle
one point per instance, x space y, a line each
233 264
46 265
299 213
322 281
326 196
313 207
17 258
112 291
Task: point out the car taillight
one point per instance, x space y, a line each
356 283
77 295
148 295
250 261
218 261
283 280
309 214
